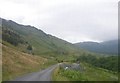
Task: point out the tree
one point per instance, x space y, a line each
110 62
29 47
11 37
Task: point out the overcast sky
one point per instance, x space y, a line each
71 20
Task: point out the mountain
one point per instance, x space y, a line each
106 47
42 43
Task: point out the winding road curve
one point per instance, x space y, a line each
44 75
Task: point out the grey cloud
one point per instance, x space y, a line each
72 20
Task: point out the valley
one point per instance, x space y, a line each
26 49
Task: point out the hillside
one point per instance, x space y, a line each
107 47
42 43
16 63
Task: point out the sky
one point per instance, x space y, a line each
71 20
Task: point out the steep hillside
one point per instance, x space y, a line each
42 43
107 47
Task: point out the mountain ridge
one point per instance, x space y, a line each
41 42
106 47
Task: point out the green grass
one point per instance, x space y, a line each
98 74
56 75
89 73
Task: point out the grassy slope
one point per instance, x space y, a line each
42 42
16 63
89 73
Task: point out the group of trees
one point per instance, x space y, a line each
110 63
14 38
29 47
11 36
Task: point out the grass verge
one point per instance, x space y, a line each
89 73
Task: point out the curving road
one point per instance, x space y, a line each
44 75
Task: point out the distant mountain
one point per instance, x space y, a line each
107 47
